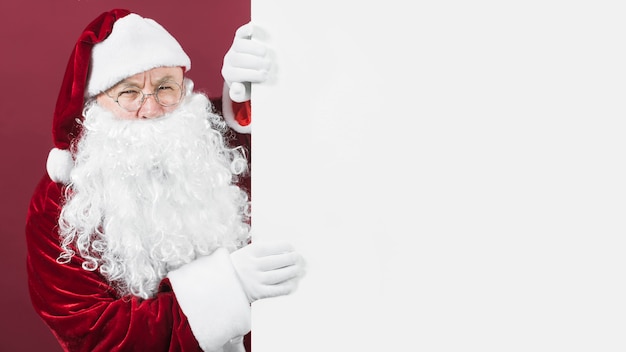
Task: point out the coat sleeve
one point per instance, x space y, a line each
237 115
83 311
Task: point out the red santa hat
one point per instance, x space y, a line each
116 45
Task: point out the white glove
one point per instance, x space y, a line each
267 269
234 345
247 61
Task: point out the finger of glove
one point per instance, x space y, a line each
249 46
243 75
245 60
277 261
267 248
281 289
275 277
245 31
239 92
237 62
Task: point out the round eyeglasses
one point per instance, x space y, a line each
168 93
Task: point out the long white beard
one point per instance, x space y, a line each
147 196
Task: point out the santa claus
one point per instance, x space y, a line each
138 235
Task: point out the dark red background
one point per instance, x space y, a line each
35 40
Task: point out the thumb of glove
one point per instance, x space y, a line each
240 92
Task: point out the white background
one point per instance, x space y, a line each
452 171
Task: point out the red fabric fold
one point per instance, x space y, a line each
83 311
81 308
243 113
71 99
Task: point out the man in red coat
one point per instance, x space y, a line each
138 235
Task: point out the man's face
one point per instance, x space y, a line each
147 82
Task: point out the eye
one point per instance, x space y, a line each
166 87
168 93
129 93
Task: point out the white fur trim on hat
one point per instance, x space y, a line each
135 45
59 165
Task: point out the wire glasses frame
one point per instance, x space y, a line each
168 93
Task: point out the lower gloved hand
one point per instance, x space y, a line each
247 61
267 269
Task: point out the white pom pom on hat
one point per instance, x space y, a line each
114 46
59 165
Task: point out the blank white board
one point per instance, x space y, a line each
452 171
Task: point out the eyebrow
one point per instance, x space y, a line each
128 82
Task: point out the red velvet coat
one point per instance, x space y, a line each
81 308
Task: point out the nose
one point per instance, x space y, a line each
150 109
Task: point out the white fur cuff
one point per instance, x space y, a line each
209 293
